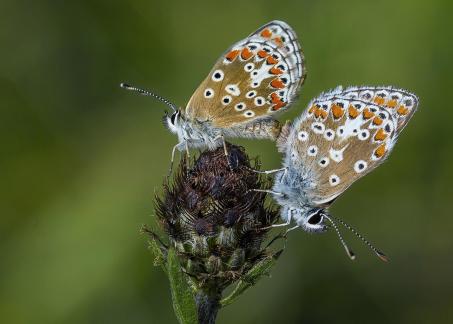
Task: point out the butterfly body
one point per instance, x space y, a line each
343 135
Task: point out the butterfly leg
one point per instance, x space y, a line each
285 171
288 221
225 149
290 229
173 152
186 143
267 191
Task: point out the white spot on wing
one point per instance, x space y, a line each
217 75
318 127
249 113
329 134
233 89
312 150
337 155
324 162
334 180
360 166
240 106
302 136
208 93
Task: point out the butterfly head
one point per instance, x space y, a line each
312 221
173 122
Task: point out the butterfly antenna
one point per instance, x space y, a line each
348 250
151 94
381 255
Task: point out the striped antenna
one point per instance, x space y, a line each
149 93
348 250
381 255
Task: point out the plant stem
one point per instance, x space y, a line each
208 305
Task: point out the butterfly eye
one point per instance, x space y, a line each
315 219
313 222
217 75
173 118
249 67
209 93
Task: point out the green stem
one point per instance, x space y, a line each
208 304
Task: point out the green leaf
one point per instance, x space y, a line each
156 250
183 299
262 268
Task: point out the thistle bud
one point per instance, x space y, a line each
216 223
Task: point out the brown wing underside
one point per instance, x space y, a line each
340 140
254 79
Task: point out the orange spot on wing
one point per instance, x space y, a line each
377 121
246 54
278 41
277 83
367 114
402 110
312 109
279 105
232 55
262 53
318 112
392 103
266 33
275 97
380 151
323 113
353 112
379 100
380 135
271 60
337 111
275 71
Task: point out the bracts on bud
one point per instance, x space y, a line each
216 225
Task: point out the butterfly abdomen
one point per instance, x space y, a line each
261 129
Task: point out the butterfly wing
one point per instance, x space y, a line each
345 134
253 79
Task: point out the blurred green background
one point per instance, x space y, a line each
81 158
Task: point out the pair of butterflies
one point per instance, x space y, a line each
341 136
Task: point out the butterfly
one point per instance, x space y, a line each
343 135
253 80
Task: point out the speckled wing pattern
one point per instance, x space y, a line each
344 134
253 79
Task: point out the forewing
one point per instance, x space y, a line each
253 79
343 135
